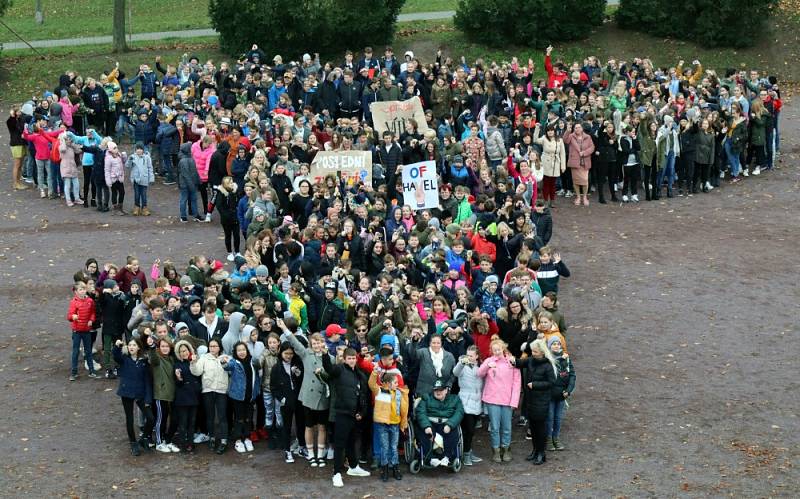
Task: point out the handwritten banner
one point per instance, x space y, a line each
392 115
420 185
356 166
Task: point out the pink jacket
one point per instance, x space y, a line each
67 109
41 142
202 159
114 168
502 383
69 165
579 146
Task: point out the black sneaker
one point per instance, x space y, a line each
135 449
184 220
198 218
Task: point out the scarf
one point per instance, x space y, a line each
438 360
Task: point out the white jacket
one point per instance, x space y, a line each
213 376
470 387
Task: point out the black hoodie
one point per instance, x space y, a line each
218 167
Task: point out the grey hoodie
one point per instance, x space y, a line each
234 332
188 177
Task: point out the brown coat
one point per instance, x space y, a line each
554 156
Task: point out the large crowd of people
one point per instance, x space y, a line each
348 322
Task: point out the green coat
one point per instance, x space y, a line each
706 144
389 94
440 100
450 408
163 376
542 108
758 130
647 145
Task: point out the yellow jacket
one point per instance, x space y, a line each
386 401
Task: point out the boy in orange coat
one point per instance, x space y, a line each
81 315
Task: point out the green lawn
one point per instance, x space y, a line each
429 5
77 18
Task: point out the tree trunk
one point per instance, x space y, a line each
120 44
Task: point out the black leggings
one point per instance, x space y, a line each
231 229
88 184
127 405
183 417
468 430
216 417
117 192
632 178
102 192
539 433
204 196
242 419
701 173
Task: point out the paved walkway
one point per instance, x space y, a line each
190 33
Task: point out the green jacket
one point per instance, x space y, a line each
542 108
450 409
758 130
706 144
389 94
440 100
647 144
163 376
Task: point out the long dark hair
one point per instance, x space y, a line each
247 357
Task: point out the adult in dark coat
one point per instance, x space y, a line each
539 380
218 167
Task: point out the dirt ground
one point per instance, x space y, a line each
683 321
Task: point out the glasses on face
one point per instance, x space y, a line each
362 330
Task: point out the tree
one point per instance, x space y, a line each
120 45
4 5
714 23
291 27
528 22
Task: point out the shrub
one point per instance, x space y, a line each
527 22
294 27
715 23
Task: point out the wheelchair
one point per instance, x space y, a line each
414 452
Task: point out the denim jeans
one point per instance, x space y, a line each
139 195
499 425
86 339
554 416
272 412
668 171
168 167
733 159
190 197
124 128
54 182
28 165
72 189
41 173
389 435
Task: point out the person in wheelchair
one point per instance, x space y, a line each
438 416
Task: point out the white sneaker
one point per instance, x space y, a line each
357 471
568 194
162 447
248 444
757 170
208 218
435 462
709 186
746 172
239 446
173 448
97 366
721 174
230 257
295 447
200 438
624 198
337 480
560 193
329 454
445 461
635 198
289 457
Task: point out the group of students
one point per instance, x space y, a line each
348 315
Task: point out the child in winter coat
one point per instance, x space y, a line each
563 387
187 395
135 387
488 298
115 175
225 200
81 315
268 359
161 362
188 183
243 389
286 378
69 169
140 168
470 392
390 417
501 395
550 270
215 389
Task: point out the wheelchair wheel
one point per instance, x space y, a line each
408 445
414 466
457 465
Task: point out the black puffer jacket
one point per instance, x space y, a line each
565 379
351 387
539 380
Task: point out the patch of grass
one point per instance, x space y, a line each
77 18
428 6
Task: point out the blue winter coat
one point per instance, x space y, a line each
166 135
238 378
135 379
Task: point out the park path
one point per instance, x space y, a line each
189 33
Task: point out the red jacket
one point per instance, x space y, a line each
41 142
484 341
84 308
552 77
481 246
